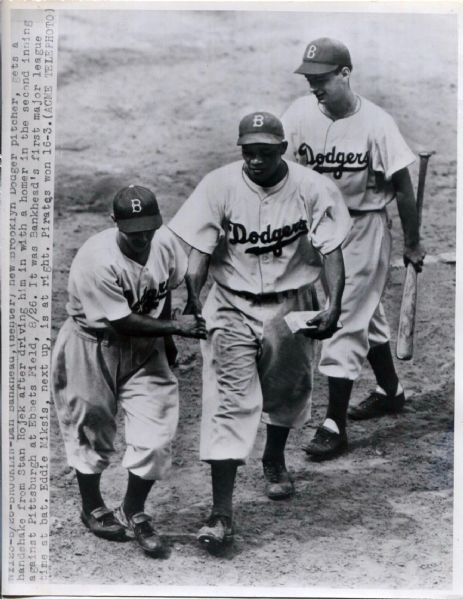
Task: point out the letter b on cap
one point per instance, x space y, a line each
136 205
258 120
311 51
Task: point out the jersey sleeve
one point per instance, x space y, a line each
390 152
100 294
199 220
330 221
175 252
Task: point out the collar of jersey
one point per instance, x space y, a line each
358 105
264 192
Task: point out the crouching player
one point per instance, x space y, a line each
111 353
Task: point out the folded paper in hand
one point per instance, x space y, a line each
297 321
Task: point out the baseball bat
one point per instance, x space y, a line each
404 349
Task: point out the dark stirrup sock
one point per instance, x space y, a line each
89 487
339 395
223 474
136 494
380 358
276 442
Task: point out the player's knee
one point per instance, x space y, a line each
96 417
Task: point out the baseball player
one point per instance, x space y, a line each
111 353
350 140
263 228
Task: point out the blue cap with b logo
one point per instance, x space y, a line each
136 209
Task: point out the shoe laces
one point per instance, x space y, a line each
215 518
273 470
323 435
145 529
373 398
108 519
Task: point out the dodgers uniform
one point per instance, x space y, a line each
360 153
96 371
265 246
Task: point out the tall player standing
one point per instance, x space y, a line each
112 352
358 145
261 225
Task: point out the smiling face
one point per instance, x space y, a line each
264 163
332 88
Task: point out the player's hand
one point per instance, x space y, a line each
414 255
193 306
325 323
191 326
175 313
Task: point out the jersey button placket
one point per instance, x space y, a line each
266 258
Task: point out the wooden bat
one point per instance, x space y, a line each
404 349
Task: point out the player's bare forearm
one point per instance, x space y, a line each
406 204
327 320
139 325
196 276
167 309
335 278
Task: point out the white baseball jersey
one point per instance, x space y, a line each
263 240
94 375
359 152
105 285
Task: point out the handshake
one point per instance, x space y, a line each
189 325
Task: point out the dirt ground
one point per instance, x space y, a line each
155 98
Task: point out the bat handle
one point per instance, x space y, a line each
404 348
424 158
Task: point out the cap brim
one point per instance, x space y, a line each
315 68
259 138
142 223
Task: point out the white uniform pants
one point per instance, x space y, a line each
366 253
253 367
92 377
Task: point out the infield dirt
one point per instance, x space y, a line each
155 98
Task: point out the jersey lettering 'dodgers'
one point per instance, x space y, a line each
262 228
358 146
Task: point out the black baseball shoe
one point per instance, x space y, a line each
376 405
326 444
103 523
140 527
278 483
216 532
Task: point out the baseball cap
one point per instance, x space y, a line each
136 209
324 55
260 128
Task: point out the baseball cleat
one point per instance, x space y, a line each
140 526
216 532
376 405
278 483
103 523
326 444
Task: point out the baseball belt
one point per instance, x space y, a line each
274 297
354 212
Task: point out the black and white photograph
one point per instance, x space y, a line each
252 338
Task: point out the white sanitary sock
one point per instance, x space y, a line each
381 391
331 426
